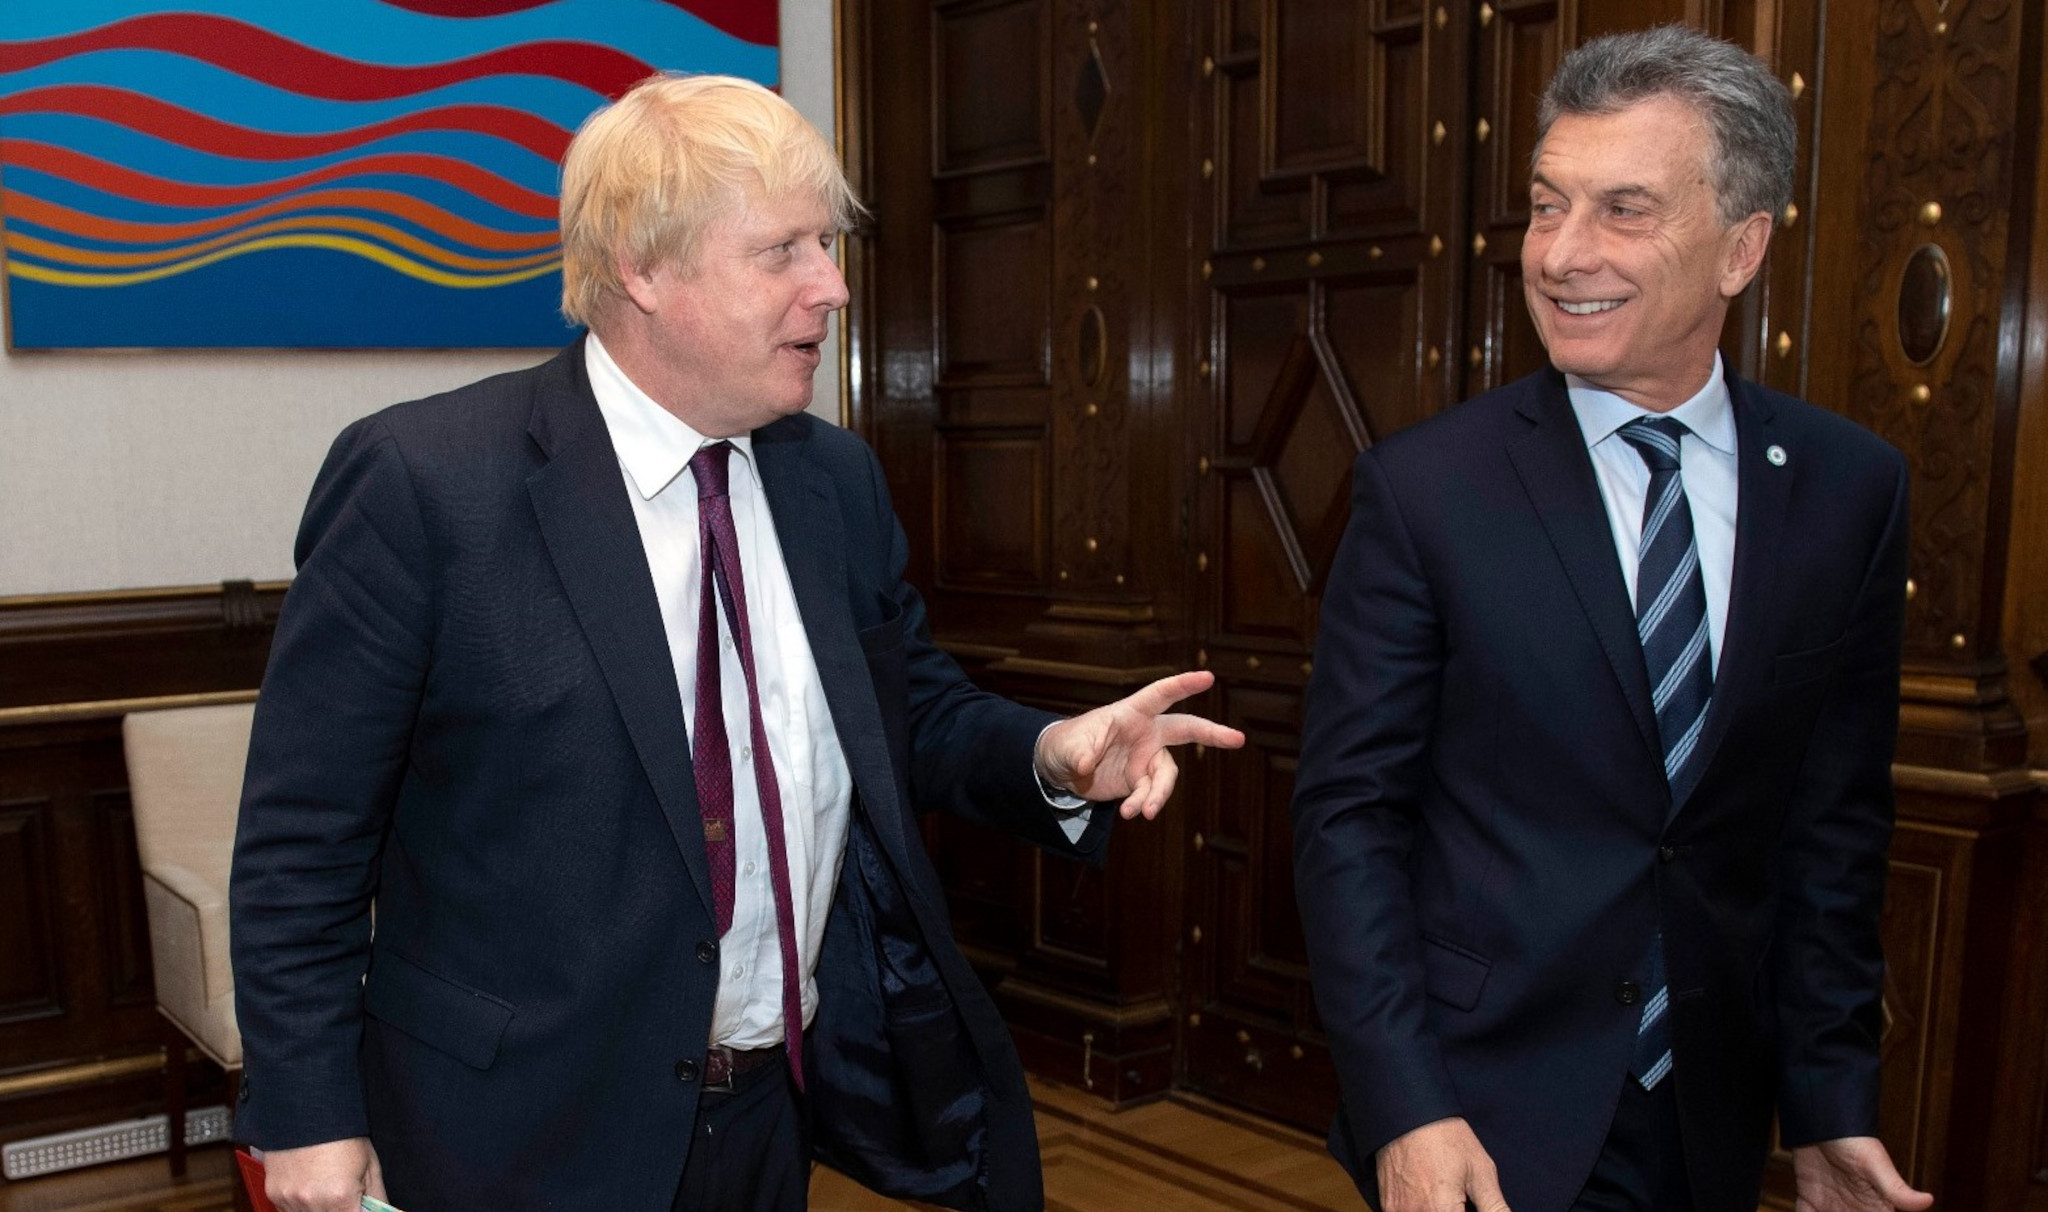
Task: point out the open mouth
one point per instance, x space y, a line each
1590 308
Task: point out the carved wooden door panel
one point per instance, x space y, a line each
1517 48
1333 136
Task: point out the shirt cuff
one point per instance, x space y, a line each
1074 813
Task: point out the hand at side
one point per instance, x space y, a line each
1437 1168
1852 1174
330 1177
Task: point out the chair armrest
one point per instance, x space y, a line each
188 933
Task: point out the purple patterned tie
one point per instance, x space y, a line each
720 545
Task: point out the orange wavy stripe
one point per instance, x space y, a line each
454 228
426 250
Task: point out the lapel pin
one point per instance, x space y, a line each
1775 455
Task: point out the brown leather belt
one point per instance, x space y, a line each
722 1065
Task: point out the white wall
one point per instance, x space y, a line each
122 471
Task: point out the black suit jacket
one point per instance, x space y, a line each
1485 842
471 720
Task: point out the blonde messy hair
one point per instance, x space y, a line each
647 175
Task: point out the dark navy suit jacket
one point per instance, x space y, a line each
471 721
1484 840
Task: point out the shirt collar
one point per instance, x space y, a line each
1709 415
653 444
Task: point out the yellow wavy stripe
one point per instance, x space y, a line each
52 250
346 244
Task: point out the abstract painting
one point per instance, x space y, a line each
334 174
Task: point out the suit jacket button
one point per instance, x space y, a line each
707 953
1667 853
1628 993
686 1070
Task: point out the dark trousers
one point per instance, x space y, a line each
750 1150
1641 1168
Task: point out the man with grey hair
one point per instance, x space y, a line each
1594 795
601 684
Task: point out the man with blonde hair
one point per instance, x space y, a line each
601 683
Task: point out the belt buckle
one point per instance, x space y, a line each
718 1070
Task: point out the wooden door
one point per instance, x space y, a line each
1329 213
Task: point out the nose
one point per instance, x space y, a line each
828 283
1571 247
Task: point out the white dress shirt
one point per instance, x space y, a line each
1706 460
654 449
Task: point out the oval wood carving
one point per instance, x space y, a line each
1925 301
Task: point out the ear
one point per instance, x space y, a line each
639 283
1742 252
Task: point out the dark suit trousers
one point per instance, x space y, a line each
1641 1167
750 1150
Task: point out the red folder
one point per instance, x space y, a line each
252 1181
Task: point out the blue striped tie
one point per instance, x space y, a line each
1671 621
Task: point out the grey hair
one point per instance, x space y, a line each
1747 109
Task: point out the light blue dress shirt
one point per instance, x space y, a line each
1706 461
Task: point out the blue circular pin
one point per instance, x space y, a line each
1776 455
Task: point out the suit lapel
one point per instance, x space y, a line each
1763 492
813 538
1557 473
579 500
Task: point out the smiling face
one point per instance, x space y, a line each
731 342
1627 266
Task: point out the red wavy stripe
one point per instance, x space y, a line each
151 116
451 228
750 20
271 59
466 8
753 20
127 183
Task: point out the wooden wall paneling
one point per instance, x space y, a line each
80 990
1328 243
1769 335
2018 1147
891 398
80 1040
1939 170
1279 231
992 239
1022 401
2021 1179
1515 51
1592 18
1949 961
1090 993
125 954
982 408
63 649
29 946
2026 609
2017 1144
1917 116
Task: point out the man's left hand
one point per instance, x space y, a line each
1120 751
1853 1174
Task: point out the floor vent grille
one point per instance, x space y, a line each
109 1142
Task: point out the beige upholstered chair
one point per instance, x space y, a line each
185 780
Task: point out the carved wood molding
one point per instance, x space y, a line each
1940 170
81 655
229 604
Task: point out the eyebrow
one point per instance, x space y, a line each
1619 193
1629 193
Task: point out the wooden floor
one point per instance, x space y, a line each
1181 1154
